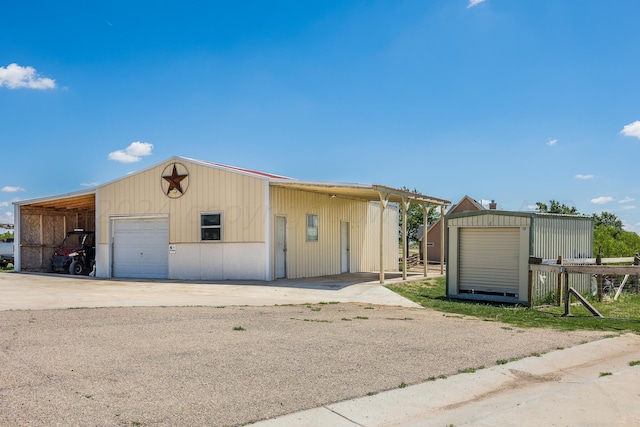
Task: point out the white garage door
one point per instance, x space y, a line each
140 248
488 259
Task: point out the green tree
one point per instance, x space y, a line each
415 218
556 207
607 219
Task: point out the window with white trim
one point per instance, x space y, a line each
211 226
312 228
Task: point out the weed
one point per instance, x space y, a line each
402 385
372 393
361 317
312 320
634 363
239 328
220 306
431 379
604 374
346 319
502 362
442 376
466 371
535 354
506 328
369 308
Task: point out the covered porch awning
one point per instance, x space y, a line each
375 192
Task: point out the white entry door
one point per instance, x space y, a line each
344 247
140 248
281 247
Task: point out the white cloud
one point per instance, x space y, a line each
474 3
14 76
626 200
4 204
602 200
584 176
10 189
632 129
627 207
552 142
89 184
133 153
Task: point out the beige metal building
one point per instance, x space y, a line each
488 251
192 219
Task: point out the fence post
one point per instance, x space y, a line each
530 297
566 292
559 294
599 262
636 261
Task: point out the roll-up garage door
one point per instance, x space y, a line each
488 259
140 248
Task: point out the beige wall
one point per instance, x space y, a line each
309 259
241 199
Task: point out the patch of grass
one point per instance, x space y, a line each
219 306
506 328
239 328
408 318
622 315
466 370
361 317
369 308
372 393
535 354
442 376
402 385
605 374
312 320
346 319
502 362
634 363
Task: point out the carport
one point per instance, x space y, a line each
43 224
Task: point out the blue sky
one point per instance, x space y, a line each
517 101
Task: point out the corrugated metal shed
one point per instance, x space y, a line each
488 252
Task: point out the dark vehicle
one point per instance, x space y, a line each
76 255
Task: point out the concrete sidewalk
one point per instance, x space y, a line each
588 385
30 291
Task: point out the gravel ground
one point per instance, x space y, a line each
185 366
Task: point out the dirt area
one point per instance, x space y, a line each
221 366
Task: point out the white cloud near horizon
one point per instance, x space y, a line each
627 199
10 189
14 76
474 3
133 153
632 129
602 200
589 176
627 207
89 184
552 142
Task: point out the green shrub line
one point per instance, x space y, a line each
620 316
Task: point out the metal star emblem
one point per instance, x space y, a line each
174 181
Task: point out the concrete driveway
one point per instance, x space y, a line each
31 291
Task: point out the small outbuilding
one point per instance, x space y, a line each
488 251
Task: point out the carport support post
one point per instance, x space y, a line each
384 199
425 258
405 206
442 239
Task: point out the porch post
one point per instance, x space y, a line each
442 239
425 258
384 198
405 206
